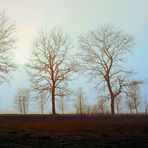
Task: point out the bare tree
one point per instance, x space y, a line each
51 64
88 109
102 54
64 94
80 102
134 95
130 105
101 104
7 44
42 100
21 100
146 106
93 109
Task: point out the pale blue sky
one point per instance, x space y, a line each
74 17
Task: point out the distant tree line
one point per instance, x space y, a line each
101 56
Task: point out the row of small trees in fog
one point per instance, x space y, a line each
101 55
80 104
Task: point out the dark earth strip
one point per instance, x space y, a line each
72 131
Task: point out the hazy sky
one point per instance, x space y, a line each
74 17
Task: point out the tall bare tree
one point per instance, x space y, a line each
7 44
134 95
21 100
102 53
51 64
101 104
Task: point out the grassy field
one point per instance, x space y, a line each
48 131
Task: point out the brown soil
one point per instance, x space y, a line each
27 131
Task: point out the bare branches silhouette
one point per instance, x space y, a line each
103 52
51 64
7 44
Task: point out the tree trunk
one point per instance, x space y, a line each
112 106
20 103
136 108
24 107
53 101
62 104
81 112
146 110
42 110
